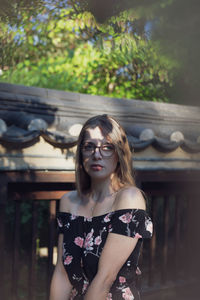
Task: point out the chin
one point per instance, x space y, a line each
100 176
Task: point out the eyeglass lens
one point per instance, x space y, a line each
105 149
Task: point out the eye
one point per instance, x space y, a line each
108 147
88 147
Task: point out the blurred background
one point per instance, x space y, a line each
145 49
132 49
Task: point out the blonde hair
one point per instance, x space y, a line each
116 135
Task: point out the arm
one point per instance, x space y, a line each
60 285
117 249
115 253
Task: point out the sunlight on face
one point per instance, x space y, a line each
96 165
95 135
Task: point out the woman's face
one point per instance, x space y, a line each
98 163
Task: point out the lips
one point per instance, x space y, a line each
96 167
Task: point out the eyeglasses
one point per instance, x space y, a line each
106 150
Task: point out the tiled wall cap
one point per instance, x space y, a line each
176 136
37 124
3 127
146 134
75 129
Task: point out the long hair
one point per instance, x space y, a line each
116 135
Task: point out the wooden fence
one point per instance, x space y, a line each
168 260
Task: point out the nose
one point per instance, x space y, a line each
97 153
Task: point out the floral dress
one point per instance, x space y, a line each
83 242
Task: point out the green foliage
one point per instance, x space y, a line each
70 51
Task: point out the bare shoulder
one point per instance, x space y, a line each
129 197
68 200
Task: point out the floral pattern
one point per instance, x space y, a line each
83 242
109 296
68 260
126 218
107 218
74 292
85 285
127 294
79 241
122 279
88 244
98 240
149 225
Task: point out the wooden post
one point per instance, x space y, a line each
177 237
33 261
165 242
2 250
16 247
52 215
192 238
3 199
152 244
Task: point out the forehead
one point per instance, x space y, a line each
94 134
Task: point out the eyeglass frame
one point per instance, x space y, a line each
100 149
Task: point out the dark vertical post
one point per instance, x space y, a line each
187 239
52 216
16 247
165 242
191 254
177 237
196 238
3 199
194 241
33 261
152 243
2 250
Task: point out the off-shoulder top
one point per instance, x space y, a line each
83 242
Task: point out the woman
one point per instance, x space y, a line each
103 222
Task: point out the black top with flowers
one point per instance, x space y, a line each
83 242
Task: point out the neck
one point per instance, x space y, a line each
101 189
